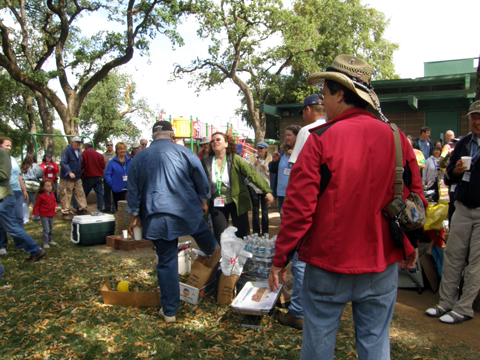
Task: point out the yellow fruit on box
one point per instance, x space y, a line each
123 286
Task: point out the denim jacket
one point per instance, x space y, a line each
166 185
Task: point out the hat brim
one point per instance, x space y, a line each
204 142
317 79
473 112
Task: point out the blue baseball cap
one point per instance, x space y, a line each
47 155
239 148
262 145
310 100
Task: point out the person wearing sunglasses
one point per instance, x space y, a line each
230 196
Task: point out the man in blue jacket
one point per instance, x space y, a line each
71 179
167 196
462 253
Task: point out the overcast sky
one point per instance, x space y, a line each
425 30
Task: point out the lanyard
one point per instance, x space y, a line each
124 166
219 179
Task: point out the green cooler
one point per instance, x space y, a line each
90 230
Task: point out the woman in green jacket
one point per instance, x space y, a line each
230 196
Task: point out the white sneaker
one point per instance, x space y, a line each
52 243
168 319
3 251
46 246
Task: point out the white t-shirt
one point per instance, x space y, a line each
302 137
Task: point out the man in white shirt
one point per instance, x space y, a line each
314 115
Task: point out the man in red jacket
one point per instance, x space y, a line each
333 216
93 165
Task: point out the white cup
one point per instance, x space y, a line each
125 234
137 233
467 161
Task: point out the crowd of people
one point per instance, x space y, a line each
333 236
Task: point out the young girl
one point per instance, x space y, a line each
45 205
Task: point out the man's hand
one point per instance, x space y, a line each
72 175
459 169
135 222
273 277
25 195
205 206
411 260
275 156
269 197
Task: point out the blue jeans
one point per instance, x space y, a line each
47 225
94 183
298 271
325 295
107 197
9 223
281 199
18 209
167 266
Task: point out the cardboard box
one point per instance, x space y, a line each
287 290
428 265
134 298
256 299
204 269
192 295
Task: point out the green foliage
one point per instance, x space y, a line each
268 50
109 109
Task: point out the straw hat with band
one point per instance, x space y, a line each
353 73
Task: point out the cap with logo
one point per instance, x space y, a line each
474 108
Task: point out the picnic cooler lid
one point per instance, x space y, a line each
89 219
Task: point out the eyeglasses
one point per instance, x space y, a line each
144 144
109 144
217 139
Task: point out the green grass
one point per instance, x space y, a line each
53 309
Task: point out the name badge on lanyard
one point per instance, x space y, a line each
286 171
466 176
50 175
125 177
219 202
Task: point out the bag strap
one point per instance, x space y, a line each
398 182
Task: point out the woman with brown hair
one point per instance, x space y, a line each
117 171
230 196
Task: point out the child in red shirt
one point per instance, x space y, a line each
45 205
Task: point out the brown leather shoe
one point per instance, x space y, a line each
288 320
67 217
37 257
82 212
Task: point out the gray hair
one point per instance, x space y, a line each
143 140
167 134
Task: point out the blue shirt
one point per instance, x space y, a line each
282 181
166 185
425 148
14 183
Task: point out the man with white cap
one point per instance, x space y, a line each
333 216
167 196
204 143
71 179
462 253
135 149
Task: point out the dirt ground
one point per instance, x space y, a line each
410 306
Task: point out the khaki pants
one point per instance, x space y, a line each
65 193
463 245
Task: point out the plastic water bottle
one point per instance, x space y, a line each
262 250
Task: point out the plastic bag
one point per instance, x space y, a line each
26 213
231 248
435 216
